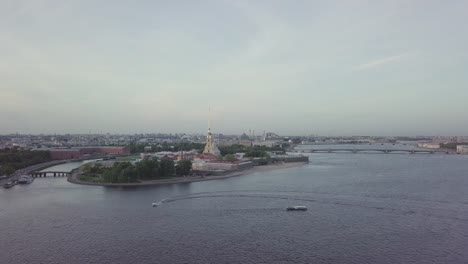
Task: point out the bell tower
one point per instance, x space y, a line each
210 147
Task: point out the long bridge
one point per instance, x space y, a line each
35 170
370 151
51 173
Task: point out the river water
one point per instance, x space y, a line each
66 167
363 208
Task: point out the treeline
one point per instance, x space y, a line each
185 146
257 153
250 151
14 159
148 169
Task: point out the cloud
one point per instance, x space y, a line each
380 62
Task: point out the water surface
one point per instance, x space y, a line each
363 208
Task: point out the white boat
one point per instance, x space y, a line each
297 208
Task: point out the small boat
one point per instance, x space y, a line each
9 184
25 179
297 208
155 204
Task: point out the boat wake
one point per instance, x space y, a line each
378 204
159 203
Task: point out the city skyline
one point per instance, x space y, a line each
312 67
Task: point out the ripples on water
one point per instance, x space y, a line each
362 209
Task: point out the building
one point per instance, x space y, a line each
76 153
62 154
429 145
462 149
210 147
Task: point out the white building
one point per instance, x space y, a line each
429 145
462 149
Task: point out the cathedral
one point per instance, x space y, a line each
211 147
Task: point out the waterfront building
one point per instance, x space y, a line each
462 149
75 153
429 145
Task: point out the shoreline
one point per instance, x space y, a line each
74 177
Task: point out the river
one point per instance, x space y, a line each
362 208
67 167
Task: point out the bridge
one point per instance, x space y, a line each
50 173
369 151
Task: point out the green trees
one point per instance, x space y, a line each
232 149
14 159
128 174
123 172
183 167
237 148
166 168
136 148
7 170
230 158
256 153
148 169
93 169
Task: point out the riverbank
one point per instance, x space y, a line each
74 178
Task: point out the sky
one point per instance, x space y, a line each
396 67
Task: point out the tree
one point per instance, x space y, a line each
148 169
230 158
107 176
183 167
86 168
256 153
166 167
128 174
136 148
7 170
17 158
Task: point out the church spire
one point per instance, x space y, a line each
209 120
210 147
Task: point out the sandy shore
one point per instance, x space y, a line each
74 178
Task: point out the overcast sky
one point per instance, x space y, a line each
291 67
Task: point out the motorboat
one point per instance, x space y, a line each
25 179
9 184
297 208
